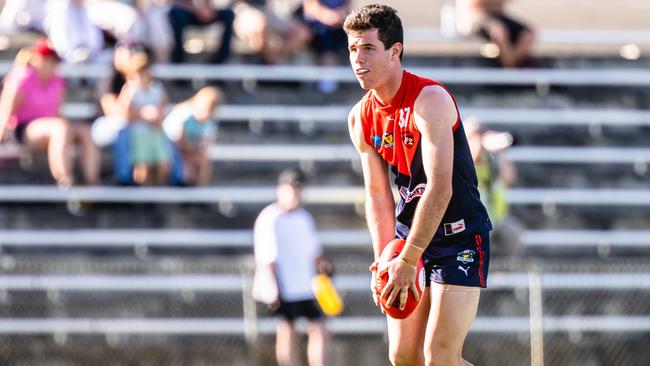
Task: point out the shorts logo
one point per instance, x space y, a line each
454 227
376 141
464 269
389 140
407 139
466 256
408 196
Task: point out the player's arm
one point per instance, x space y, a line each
380 203
435 115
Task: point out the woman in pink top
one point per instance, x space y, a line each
30 102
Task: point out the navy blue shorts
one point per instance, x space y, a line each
461 262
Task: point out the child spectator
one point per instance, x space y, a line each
144 100
30 102
190 126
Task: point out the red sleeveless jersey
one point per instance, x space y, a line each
391 131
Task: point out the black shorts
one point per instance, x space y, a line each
292 310
515 29
19 132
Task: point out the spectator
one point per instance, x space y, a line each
495 172
23 15
145 101
287 256
106 128
74 37
31 99
272 35
200 13
135 21
325 18
190 126
488 19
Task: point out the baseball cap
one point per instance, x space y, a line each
42 47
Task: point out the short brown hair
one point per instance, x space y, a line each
380 17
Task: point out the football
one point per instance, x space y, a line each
391 251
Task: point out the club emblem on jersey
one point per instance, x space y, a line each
376 141
408 196
466 256
389 140
407 139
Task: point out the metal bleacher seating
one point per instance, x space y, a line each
119 263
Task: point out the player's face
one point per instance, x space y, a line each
370 60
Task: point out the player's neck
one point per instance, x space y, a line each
387 91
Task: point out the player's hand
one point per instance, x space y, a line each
401 280
374 283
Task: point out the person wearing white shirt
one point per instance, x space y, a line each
288 255
74 37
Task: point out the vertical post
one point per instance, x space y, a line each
250 316
536 318
249 310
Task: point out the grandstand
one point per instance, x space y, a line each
117 275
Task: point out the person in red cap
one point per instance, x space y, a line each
29 105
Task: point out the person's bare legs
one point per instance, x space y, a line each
90 153
142 174
203 169
317 343
55 134
286 344
163 171
296 37
453 309
406 337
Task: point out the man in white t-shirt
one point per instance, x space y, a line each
287 256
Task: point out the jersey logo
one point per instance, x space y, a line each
376 141
389 140
408 196
455 227
404 115
408 139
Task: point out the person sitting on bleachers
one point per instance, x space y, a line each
190 125
488 19
145 101
32 96
272 35
495 173
135 21
106 128
23 15
184 13
74 37
325 17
